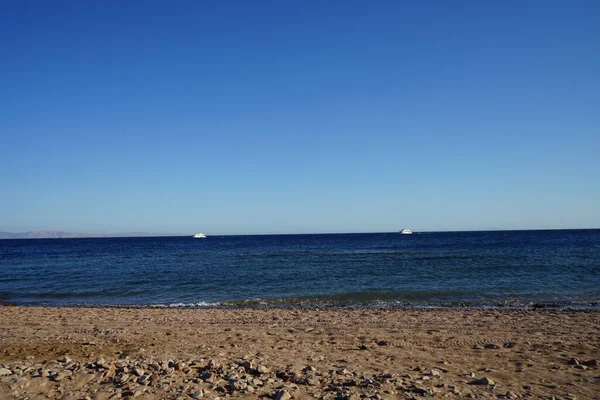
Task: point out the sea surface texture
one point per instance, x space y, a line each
497 269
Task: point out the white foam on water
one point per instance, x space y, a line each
185 305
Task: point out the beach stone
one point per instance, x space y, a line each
144 379
309 368
122 377
232 376
5 372
110 371
262 369
237 385
573 361
421 391
138 371
248 365
434 372
64 359
283 395
62 375
155 377
483 381
208 376
197 394
592 363
491 346
313 381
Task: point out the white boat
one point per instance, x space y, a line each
405 232
199 236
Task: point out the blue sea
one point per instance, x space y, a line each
555 268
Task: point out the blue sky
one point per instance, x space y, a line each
299 116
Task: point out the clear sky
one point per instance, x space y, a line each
230 117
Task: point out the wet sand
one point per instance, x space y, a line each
102 353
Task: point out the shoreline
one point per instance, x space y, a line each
260 304
182 353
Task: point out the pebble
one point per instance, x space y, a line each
309 368
197 394
5 372
262 369
421 391
231 376
208 377
122 377
283 395
313 381
62 375
238 385
483 381
248 365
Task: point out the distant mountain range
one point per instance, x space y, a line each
63 235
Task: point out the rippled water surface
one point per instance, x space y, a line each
500 268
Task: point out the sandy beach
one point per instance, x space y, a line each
110 353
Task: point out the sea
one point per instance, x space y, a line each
500 269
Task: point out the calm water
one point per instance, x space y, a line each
516 268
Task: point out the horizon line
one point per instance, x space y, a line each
163 234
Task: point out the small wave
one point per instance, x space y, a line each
352 299
185 305
425 299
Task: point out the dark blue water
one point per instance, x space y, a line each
500 268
